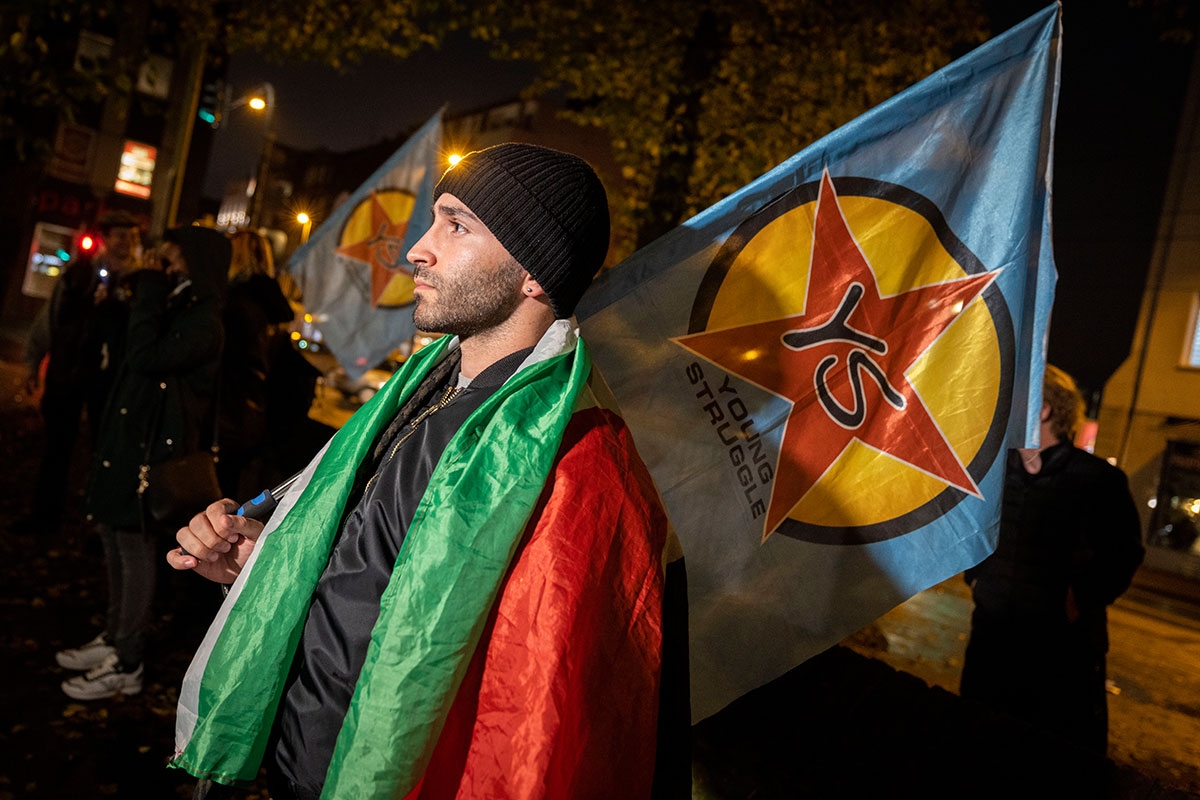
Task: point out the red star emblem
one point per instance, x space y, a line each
842 365
382 251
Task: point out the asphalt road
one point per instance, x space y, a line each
1153 666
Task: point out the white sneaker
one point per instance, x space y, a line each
87 656
106 680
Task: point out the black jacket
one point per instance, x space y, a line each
1073 524
160 405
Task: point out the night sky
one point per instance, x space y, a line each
1119 106
320 107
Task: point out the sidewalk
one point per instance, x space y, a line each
845 725
1180 592
879 716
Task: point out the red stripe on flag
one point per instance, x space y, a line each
563 702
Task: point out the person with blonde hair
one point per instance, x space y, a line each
252 255
256 312
1069 544
1061 397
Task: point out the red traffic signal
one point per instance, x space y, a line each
87 243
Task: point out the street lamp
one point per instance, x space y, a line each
261 98
262 101
306 221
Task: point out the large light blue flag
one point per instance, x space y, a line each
824 370
353 273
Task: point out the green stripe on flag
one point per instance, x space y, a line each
239 694
450 569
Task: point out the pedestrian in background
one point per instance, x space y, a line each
71 333
1069 544
160 408
255 313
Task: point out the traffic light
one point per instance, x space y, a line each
211 103
87 243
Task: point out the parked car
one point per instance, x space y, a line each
365 386
311 343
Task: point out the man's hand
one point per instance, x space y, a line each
217 542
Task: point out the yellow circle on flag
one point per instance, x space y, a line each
362 225
959 377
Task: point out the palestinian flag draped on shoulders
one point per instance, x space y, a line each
519 643
823 371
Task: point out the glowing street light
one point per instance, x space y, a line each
454 159
260 98
263 102
306 221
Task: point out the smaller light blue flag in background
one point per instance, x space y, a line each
353 273
824 370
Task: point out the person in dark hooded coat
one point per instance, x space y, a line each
161 407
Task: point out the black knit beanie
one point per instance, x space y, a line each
547 208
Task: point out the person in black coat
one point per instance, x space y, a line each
160 408
1069 544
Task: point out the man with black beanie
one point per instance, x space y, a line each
463 595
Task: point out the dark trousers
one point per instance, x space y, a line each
1052 677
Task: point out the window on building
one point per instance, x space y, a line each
93 53
1191 350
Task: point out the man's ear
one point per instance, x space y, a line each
1045 412
531 288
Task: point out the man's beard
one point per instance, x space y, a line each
471 300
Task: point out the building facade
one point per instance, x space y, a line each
120 153
1149 420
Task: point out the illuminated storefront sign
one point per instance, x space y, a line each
137 170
